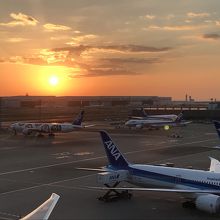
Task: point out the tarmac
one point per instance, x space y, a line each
32 168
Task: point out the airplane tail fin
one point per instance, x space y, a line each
143 113
217 127
79 118
179 117
43 211
115 157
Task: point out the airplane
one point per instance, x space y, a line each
49 128
201 189
44 210
144 115
157 123
217 126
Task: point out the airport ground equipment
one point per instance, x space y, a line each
200 187
111 180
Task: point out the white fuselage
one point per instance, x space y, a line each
162 117
28 128
179 178
148 122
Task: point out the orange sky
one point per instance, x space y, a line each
122 48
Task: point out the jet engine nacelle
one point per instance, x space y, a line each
140 126
208 203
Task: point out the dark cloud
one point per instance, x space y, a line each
150 60
212 36
106 61
77 50
104 72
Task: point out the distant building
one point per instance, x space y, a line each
82 101
214 105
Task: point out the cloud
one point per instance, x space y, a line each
217 23
97 72
174 28
149 60
170 16
20 19
56 27
16 40
212 36
100 60
80 39
198 15
150 17
130 48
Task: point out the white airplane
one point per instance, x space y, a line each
157 123
200 188
49 128
43 211
144 115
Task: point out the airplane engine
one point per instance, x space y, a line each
208 203
140 126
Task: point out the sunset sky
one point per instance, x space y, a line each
110 47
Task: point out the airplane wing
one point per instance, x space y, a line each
43 211
82 126
88 126
91 169
158 190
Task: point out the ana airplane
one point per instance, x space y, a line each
200 188
43 211
157 123
144 115
49 128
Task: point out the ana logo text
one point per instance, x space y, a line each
113 150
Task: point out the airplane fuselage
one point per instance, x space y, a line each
50 128
153 123
172 177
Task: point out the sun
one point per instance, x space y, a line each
53 80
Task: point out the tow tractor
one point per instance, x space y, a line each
111 179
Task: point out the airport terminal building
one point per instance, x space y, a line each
82 101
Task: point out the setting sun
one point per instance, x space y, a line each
53 80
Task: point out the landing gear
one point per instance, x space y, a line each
40 135
51 135
176 135
14 132
113 195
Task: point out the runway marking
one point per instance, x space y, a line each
55 184
47 184
8 214
100 157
